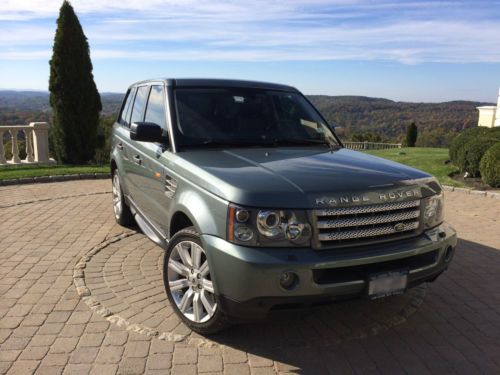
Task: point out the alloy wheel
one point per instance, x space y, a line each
189 282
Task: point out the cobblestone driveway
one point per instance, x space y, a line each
53 234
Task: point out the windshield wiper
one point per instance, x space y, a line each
226 143
304 142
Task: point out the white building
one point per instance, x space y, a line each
489 115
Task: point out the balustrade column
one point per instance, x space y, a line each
2 152
15 148
29 145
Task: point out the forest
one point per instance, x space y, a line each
355 117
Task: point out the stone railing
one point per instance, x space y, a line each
36 135
370 145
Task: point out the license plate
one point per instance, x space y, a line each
387 284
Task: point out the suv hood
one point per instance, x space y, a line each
291 177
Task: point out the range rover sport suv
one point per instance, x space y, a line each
258 205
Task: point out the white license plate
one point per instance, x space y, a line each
387 284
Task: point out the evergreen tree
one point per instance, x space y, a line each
74 98
411 135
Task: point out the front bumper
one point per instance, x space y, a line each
247 279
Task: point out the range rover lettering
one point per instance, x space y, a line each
259 206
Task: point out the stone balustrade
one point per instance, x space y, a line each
36 135
370 145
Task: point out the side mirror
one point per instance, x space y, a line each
147 132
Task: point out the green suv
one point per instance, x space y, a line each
259 206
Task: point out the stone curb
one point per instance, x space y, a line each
56 178
481 193
86 294
97 307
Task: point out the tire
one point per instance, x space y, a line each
123 215
188 284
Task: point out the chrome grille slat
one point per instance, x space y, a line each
362 233
346 226
367 209
368 220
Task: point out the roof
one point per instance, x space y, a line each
204 82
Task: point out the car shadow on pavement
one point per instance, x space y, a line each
455 328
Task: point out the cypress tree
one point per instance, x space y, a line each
74 98
411 135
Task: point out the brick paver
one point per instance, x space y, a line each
47 328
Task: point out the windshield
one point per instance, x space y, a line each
244 117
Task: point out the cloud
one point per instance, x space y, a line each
410 32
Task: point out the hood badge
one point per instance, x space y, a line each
372 198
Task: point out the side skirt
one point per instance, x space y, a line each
146 226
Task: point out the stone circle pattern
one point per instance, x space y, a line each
121 279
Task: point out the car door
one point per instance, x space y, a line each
121 141
135 171
154 179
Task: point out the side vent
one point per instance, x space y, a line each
170 186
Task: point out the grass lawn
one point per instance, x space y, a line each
430 160
32 170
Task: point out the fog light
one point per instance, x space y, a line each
293 231
243 233
289 280
448 254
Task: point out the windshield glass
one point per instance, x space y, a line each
239 117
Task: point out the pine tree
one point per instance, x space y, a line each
411 135
74 98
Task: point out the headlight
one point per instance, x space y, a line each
433 210
254 227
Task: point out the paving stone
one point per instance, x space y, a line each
91 339
132 366
23 367
184 370
83 355
185 355
209 363
34 352
64 345
110 354
99 369
159 361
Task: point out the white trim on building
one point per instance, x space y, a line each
489 115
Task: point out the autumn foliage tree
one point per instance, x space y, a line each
74 98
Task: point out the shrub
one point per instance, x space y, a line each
471 153
462 138
411 135
490 166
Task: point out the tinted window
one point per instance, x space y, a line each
126 104
127 109
155 111
251 115
140 104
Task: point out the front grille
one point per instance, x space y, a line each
352 225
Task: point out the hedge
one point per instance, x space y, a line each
462 138
490 166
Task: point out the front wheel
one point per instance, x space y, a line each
188 283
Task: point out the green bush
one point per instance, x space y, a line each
469 156
490 166
462 138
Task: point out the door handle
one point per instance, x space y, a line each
137 159
120 146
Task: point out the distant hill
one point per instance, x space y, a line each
437 122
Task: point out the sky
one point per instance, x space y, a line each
402 50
